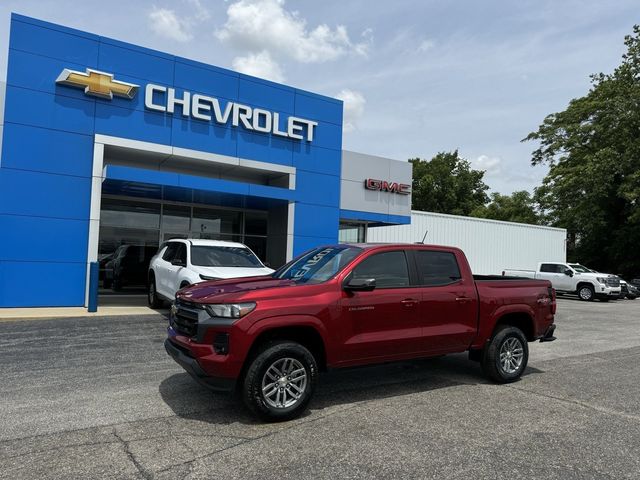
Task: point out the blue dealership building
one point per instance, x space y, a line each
105 144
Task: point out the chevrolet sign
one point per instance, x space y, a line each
201 107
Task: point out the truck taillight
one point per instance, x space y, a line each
552 296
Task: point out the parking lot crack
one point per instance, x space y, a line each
145 474
267 435
60 447
595 408
210 454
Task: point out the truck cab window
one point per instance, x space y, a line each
437 268
388 268
549 268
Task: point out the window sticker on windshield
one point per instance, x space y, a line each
313 261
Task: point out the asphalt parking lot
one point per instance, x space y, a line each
100 398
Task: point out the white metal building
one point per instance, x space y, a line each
490 245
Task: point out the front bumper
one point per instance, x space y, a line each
183 357
607 292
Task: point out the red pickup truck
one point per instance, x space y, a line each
352 304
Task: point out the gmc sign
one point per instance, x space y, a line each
384 186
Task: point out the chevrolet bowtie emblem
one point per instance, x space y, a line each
98 84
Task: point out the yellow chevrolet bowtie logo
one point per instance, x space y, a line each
98 84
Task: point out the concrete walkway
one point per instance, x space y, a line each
12 314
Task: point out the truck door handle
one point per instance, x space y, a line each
409 302
463 299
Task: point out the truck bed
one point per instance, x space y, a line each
493 278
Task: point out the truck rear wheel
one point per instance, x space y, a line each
280 381
506 356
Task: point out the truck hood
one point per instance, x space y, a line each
218 290
231 272
592 275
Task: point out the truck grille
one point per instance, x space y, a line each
613 281
185 320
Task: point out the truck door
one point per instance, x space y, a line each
554 272
449 307
382 322
565 282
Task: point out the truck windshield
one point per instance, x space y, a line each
212 256
318 265
579 268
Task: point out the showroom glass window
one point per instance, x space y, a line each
352 232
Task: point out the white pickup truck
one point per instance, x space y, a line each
573 278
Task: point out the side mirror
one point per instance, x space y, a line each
178 263
568 272
360 285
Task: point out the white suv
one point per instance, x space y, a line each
180 263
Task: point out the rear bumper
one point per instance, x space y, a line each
548 334
192 367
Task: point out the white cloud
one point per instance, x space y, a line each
491 165
259 25
166 23
201 13
259 65
426 45
354 103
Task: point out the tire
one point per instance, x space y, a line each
274 360
586 293
508 342
152 293
184 285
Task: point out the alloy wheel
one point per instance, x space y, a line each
585 293
284 383
511 355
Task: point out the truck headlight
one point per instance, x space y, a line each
230 310
602 280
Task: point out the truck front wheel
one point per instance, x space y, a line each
586 293
506 356
280 381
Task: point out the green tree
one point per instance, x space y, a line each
517 207
593 151
447 184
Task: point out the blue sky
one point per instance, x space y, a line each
417 77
